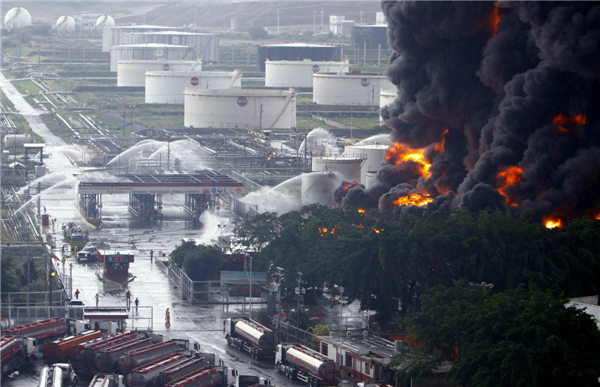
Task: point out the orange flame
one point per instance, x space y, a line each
561 120
361 211
552 223
507 177
377 231
359 226
494 19
413 199
323 230
399 153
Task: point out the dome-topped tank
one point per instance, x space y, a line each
105 21
16 18
65 24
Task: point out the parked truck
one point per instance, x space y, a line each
41 330
58 375
139 357
248 335
181 369
107 359
308 366
16 351
207 377
86 361
145 375
67 348
88 254
108 380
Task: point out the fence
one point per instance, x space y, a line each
290 334
185 286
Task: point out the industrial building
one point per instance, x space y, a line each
373 36
65 25
16 18
120 35
150 51
168 86
207 45
349 89
287 74
297 52
386 97
238 108
133 72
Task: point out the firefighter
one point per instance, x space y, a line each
167 318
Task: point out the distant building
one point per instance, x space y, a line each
335 24
297 52
371 35
241 24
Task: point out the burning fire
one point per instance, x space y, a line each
507 177
494 19
323 230
347 185
561 120
399 153
413 199
361 211
377 231
552 223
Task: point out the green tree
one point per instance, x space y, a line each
203 263
516 338
257 33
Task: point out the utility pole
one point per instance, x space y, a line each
341 288
299 295
260 119
251 292
314 22
279 275
361 13
195 20
278 21
322 12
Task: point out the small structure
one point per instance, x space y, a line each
35 147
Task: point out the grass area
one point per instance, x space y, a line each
7 105
304 101
58 127
365 122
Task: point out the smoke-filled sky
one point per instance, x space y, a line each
497 106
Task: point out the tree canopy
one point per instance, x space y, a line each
200 262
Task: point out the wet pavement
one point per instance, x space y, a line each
202 323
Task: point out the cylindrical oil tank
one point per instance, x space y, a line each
386 97
150 51
373 155
119 35
349 89
61 349
207 45
371 179
104 21
65 24
107 359
348 168
257 334
309 359
284 73
139 357
168 86
17 139
238 108
144 375
133 72
317 187
16 18
297 51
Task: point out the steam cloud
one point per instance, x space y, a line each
510 90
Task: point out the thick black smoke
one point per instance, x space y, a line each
502 86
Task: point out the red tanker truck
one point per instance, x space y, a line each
139 357
67 348
41 330
107 359
86 360
179 370
15 351
145 375
250 336
308 366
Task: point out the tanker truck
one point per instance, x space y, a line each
58 375
107 359
181 369
139 357
86 360
108 380
67 348
207 377
145 375
308 366
248 335
41 330
16 351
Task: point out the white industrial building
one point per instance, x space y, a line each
133 72
386 97
65 25
288 73
349 89
168 86
16 18
150 51
251 108
207 45
120 35
373 156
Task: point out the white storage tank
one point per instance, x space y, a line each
168 86
150 51
207 45
133 72
317 187
16 18
65 25
371 179
347 168
386 97
104 21
288 73
120 35
374 155
349 88
251 108
17 139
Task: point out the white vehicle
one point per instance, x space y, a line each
89 254
372 384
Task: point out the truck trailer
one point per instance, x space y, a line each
41 330
181 369
58 375
107 359
308 366
67 348
108 380
207 377
139 357
16 351
145 375
250 336
86 361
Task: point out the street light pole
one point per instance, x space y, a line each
314 22
299 295
250 313
341 310
361 13
279 275
278 21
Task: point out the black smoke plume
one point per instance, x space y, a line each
504 86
